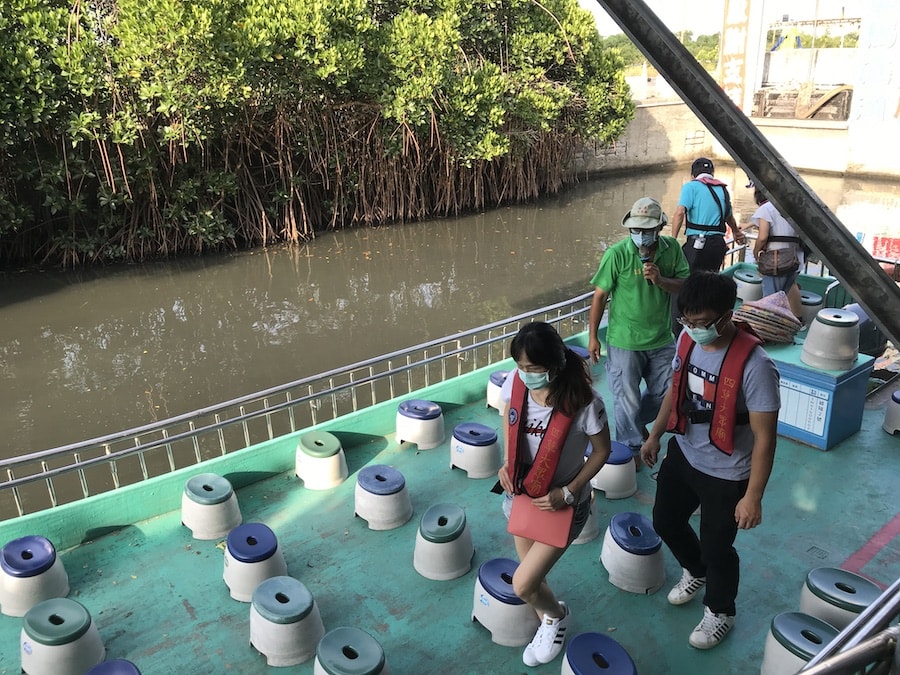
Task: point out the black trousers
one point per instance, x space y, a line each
680 489
710 257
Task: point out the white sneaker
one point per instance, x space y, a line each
711 630
528 657
685 590
550 637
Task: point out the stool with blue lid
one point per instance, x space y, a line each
494 388
511 622
349 651
444 547
59 637
596 654
632 554
793 639
617 478
420 422
30 572
381 497
115 667
319 460
252 555
836 596
285 624
209 506
475 450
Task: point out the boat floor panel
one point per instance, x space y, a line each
159 599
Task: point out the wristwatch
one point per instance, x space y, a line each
568 496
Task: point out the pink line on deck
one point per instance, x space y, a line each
871 548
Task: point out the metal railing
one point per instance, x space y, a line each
45 479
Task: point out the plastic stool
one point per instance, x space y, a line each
475 450
811 304
596 654
209 506
320 461
285 624
381 497
30 572
115 667
618 477
591 529
252 555
581 351
494 386
349 651
836 596
420 422
444 547
892 414
749 285
511 622
59 637
793 639
632 554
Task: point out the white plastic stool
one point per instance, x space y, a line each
285 624
749 285
618 477
381 497
475 450
320 461
420 422
209 506
494 386
811 303
511 622
444 547
632 554
252 555
793 639
836 596
59 637
596 654
349 651
30 572
892 414
591 529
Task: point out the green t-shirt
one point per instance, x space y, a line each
639 313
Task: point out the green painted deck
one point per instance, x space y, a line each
159 600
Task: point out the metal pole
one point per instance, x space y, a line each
846 258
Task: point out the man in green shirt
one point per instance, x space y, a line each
637 275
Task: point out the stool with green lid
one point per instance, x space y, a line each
749 285
59 638
30 572
349 651
320 461
209 506
836 596
444 547
285 624
793 639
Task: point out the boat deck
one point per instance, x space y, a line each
159 600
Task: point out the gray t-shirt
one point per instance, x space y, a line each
759 392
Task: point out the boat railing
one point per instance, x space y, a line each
41 480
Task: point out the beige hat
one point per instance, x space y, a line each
646 214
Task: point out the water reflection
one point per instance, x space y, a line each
95 352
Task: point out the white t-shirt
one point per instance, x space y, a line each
778 226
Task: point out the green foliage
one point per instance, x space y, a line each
136 128
705 48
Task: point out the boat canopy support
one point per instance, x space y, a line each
845 257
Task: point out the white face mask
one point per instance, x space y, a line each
645 238
535 380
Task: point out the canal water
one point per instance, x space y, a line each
93 352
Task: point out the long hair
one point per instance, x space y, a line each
570 386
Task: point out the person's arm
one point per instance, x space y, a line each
598 306
678 219
650 447
748 512
762 236
668 284
503 474
600 451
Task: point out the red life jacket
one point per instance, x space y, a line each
724 412
536 483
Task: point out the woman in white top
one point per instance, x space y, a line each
775 233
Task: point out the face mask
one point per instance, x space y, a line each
703 336
646 238
534 380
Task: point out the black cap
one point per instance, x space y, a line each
702 165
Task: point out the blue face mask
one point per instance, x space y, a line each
703 336
534 380
645 238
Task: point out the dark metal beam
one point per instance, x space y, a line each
846 258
